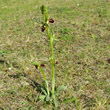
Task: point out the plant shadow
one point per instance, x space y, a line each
18 75
31 82
36 85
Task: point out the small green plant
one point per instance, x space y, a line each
49 96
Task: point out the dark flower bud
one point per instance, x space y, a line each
56 62
36 66
51 20
108 60
42 65
43 28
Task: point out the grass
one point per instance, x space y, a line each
82 50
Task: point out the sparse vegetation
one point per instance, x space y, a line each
82 52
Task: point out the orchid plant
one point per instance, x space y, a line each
48 95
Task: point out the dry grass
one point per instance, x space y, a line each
83 52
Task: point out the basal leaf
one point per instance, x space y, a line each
44 91
48 98
69 100
36 98
60 88
42 97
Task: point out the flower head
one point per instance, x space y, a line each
56 62
43 28
36 66
42 65
51 20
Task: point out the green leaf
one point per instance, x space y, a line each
45 84
42 97
69 100
56 102
30 107
76 102
48 98
59 89
36 98
44 91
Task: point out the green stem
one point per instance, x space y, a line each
47 88
43 73
45 17
53 63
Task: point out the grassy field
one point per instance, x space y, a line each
82 28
